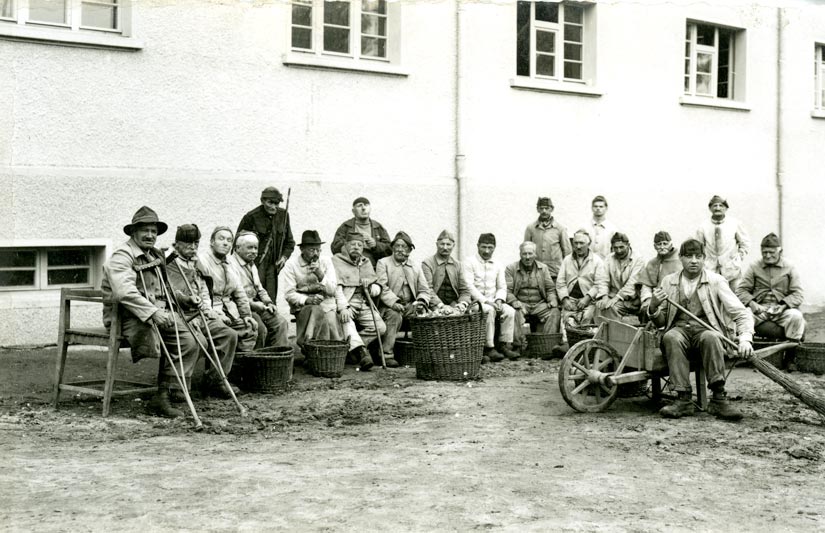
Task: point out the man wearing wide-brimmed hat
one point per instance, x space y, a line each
376 238
772 290
726 241
405 290
271 224
310 286
133 279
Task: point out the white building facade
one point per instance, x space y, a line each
444 114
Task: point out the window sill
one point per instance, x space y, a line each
346 64
818 113
531 84
717 103
67 37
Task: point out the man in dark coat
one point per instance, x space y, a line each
271 224
376 238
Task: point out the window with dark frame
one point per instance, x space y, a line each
341 27
550 40
709 61
46 268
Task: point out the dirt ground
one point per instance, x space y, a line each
385 451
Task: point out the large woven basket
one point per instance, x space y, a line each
267 370
326 359
449 347
405 352
539 344
580 333
810 357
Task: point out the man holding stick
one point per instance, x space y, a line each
695 297
271 224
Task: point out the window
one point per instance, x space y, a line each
82 22
710 61
819 77
357 29
47 268
550 40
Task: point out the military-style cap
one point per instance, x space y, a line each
446 234
544 201
771 240
404 237
360 200
661 236
718 200
487 238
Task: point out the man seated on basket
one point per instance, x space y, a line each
192 294
445 277
129 281
622 298
581 282
405 291
532 293
228 297
488 286
666 262
310 285
272 327
771 288
358 284
708 297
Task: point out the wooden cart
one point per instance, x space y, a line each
618 354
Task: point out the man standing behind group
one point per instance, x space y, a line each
445 276
601 230
488 286
552 242
725 240
376 238
666 262
271 224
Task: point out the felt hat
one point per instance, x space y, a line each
187 233
145 215
446 234
273 193
661 236
487 238
404 237
771 240
544 201
360 200
718 200
310 237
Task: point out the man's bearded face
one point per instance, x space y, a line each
145 235
355 249
311 252
221 243
187 250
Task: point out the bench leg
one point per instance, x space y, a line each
60 365
111 368
701 388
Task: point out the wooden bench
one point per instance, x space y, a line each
112 339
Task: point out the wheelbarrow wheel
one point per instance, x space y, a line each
579 372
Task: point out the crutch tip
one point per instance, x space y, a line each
244 413
198 427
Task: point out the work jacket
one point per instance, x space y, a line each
655 271
591 275
516 277
382 240
393 276
296 273
262 223
452 271
781 280
122 284
552 243
623 275
353 275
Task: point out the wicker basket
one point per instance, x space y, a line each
539 344
405 352
580 333
810 357
326 359
267 370
449 347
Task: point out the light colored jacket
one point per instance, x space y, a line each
352 276
296 270
228 297
485 279
392 277
781 279
727 256
121 283
452 271
552 243
722 308
247 274
656 270
623 275
591 275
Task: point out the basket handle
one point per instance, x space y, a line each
480 309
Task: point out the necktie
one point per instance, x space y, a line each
717 237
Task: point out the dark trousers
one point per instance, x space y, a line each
142 339
269 278
272 329
678 343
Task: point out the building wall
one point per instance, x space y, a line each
207 114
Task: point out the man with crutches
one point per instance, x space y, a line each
358 285
134 278
217 340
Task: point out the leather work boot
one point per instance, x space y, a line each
161 406
559 351
485 359
493 354
509 352
390 361
219 390
176 396
683 406
365 361
720 407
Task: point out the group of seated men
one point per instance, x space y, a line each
369 288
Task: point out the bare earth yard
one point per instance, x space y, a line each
383 451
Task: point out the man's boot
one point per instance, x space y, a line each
162 406
509 352
390 361
720 406
493 355
558 351
364 359
683 406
